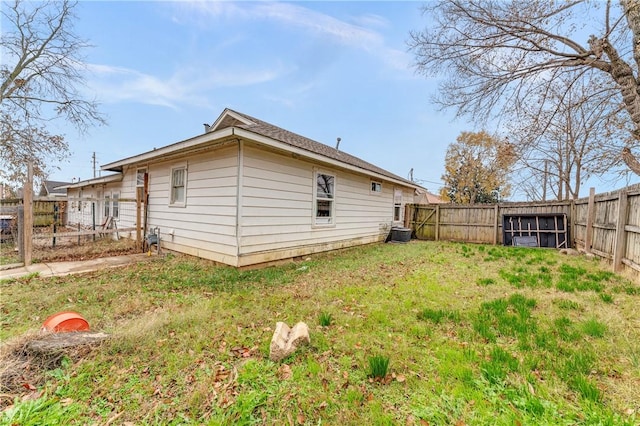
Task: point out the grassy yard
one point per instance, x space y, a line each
473 335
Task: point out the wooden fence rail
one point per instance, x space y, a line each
607 225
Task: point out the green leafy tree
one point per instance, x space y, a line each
477 169
41 77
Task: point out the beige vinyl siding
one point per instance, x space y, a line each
277 207
206 225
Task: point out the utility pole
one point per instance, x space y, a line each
93 159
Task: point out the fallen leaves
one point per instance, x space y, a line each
284 372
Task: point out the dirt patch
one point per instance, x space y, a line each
86 251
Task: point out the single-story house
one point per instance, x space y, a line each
247 192
52 188
92 201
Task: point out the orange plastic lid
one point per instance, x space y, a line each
65 321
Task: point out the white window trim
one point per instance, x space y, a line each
107 205
371 184
397 202
173 203
331 222
115 200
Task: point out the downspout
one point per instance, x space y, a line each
239 184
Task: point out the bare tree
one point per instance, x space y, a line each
41 76
497 54
569 139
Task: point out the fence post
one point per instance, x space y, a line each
496 213
572 225
437 223
139 217
93 219
55 222
591 212
407 219
20 236
27 194
620 247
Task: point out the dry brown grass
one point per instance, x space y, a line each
22 369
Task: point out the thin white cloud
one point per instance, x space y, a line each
371 20
353 35
116 84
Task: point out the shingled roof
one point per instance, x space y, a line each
263 128
231 123
50 187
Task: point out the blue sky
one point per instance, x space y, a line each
321 69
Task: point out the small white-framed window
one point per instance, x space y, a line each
324 198
178 195
397 205
115 205
376 187
107 205
140 174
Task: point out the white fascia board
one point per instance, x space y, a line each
169 149
316 157
228 113
96 181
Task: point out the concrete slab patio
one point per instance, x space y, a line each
53 269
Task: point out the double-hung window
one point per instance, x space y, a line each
178 186
107 205
115 205
324 198
397 205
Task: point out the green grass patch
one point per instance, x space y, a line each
190 341
325 319
594 328
437 316
378 366
485 281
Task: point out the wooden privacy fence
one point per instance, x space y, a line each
607 225
46 211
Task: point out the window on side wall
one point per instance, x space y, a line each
178 186
397 205
107 205
115 205
376 187
324 198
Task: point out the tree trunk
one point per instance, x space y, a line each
622 73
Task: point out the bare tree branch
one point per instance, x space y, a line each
494 55
41 77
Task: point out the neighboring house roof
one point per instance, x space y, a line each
53 187
427 198
116 177
231 124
